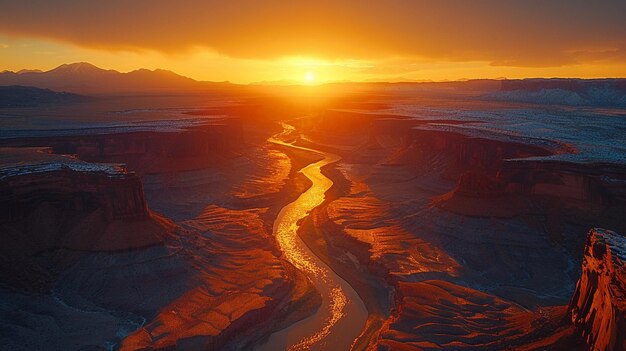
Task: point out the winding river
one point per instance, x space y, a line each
342 314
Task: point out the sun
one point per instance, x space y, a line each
309 77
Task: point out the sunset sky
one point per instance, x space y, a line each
280 40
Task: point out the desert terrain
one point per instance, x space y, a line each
478 215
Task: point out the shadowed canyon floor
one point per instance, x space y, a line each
398 217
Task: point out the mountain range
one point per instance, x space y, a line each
85 78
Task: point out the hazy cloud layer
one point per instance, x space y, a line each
510 33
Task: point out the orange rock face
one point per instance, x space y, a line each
369 220
598 307
476 234
207 276
456 232
240 282
434 315
52 203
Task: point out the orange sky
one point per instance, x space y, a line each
251 41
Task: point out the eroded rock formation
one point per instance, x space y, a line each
51 203
477 230
146 151
598 307
81 239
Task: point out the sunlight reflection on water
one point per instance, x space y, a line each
286 235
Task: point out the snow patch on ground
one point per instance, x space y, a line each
593 96
22 161
580 135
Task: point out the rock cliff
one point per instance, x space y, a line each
54 209
145 151
598 307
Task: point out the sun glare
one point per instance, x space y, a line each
309 77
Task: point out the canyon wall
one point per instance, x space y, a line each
80 237
148 151
488 168
55 210
445 212
598 307
120 196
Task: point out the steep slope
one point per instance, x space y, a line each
79 276
51 204
598 307
473 216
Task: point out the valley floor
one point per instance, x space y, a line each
378 222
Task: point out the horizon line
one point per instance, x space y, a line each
287 83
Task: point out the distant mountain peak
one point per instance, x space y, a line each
78 67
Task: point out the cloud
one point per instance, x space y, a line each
531 33
4 46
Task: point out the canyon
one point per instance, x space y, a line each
449 216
